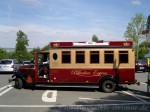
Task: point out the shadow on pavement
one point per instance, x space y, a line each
6 73
102 104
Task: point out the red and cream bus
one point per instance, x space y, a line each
104 64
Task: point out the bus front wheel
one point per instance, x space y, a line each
18 83
108 86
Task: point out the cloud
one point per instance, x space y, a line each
136 2
40 36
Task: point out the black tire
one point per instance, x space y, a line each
18 83
108 86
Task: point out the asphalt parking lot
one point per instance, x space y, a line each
127 98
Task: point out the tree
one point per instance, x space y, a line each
12 55
134 31
35 50
22 42
3 54
143 49
46 47
94 38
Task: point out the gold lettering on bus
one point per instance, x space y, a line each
126 44
56 44
80 72
88 73
98 73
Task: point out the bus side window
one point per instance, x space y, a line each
94 57
55 56
109 56
80 57
66 57
123 57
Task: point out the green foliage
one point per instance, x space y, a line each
143 49
35 50
12 55
94 38
46 47
22 42
3 54
21 52
134 31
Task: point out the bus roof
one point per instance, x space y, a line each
99 44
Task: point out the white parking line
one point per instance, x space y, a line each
143 83
39 106
106 100
52 99
134 96
6 89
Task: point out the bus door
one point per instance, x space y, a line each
43 67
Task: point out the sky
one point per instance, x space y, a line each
45 21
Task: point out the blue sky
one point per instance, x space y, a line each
45 21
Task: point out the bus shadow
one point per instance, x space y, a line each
6 73
121 101
105 104
141 94
101 104
64 89
86 89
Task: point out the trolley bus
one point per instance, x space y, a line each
104 64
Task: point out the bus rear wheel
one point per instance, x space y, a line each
18 83
108 86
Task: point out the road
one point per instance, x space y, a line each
130 98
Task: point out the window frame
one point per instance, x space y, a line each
111 52
79 53
67 52
95 52
125 52
55 56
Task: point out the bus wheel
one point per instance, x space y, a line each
108 86
18 83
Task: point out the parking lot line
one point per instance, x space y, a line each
7 86
81 98
6 89
39 106
134 96
143 83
